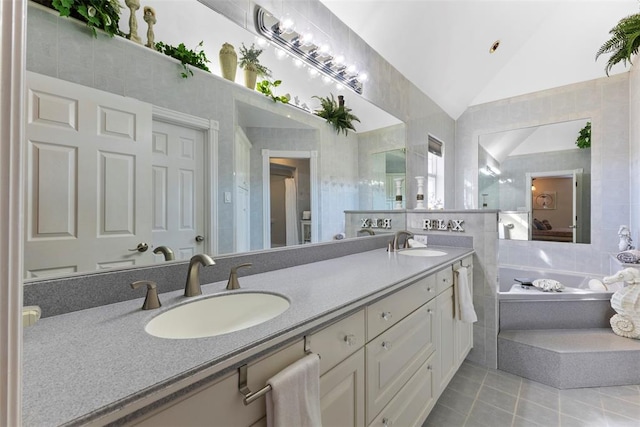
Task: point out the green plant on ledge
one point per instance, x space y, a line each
101 14
265 88
584 137
336 113
186 57
624 42
249 60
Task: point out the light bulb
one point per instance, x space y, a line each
363 77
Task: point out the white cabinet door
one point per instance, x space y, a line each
342 393
394 356
411 406
446 339
220 403
464 331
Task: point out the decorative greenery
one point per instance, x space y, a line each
584 137
336 113
249 58
101 14
265 86
624 42
185 56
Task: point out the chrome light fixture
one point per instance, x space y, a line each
302 47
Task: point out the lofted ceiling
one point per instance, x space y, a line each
442 46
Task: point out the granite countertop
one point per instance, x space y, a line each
81 365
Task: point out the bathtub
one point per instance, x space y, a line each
575 308
576 286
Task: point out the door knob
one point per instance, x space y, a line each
199 238
142 247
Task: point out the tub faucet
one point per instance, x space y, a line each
396 240
192 287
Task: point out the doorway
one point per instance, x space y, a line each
289 198
291 223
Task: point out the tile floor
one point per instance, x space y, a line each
477 396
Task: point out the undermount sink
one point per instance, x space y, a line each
217 315
421 252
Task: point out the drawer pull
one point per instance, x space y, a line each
386 315
386 345
350 339
386 422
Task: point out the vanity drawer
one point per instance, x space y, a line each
383 314
444 279
338 341
413 403
395 356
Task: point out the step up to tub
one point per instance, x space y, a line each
570 358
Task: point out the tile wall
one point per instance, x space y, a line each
606 102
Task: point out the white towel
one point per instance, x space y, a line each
294 399
464 310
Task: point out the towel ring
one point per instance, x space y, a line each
243 388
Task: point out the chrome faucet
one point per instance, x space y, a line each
395 244
366 230
166 251
232 283
192 287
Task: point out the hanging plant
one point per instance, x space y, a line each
265 88
624 42
336 113
185 56
101 14
584 137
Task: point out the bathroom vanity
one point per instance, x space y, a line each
383 324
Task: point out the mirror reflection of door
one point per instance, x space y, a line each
556 206
178 189
289 196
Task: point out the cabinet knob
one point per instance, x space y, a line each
429 311
429 367
428 289
350 339
386 345
386 315
386 422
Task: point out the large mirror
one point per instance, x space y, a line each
540 180
226 191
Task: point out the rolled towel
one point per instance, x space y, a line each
629 257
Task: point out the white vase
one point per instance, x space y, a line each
228 62
398 202
420 195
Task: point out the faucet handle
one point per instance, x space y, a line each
151 301
233 283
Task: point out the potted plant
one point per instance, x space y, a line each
101 14
250 63
336 113
196 58
584 137
624 42
266 87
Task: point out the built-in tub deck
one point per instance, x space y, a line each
562 339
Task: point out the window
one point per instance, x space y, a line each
435 174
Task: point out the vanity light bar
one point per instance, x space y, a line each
269 26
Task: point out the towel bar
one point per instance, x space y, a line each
243 388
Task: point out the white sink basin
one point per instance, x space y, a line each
217 315
421 252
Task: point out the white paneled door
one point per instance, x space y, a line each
88 181
178 194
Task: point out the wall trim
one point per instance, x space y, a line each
12 71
